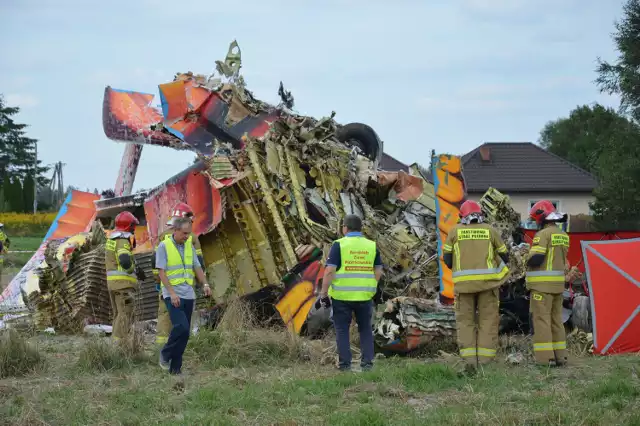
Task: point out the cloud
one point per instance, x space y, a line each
22 100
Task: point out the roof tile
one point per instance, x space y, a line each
523 167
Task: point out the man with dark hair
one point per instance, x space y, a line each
350 281
177 265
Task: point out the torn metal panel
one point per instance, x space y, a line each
192 187
128 169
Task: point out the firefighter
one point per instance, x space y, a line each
478 257
122 274
546 267
164 322
4 246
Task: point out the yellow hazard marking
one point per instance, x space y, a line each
473 234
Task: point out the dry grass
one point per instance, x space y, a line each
103 354
238 341
17 356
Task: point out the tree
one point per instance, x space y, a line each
13 195
17 151
28 193
623 76
607 144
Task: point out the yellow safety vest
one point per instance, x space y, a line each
179 271
355 279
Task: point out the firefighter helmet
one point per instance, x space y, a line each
541 210
1 225
126 222
470 207
182 210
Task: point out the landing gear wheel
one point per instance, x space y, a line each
362 136
581 316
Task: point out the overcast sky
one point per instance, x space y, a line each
426 74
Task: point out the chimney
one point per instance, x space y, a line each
485 153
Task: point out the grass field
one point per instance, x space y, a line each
239 375
273 388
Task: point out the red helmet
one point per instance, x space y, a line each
541 210
470 207
126 222
182 210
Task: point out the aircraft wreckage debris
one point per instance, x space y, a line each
285 181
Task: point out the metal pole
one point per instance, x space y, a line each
35 180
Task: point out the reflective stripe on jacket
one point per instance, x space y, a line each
549 277
179 271
475 250
355 279
117 277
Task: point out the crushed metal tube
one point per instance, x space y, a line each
276 187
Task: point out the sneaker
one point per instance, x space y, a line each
164 364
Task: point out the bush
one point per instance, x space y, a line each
100 354
17 356
24 224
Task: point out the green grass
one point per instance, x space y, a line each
27 244
592 391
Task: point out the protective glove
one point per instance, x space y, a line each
140 273
323 302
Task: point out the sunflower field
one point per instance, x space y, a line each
26 224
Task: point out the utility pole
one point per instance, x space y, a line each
35 180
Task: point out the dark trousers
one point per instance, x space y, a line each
342 315
179 336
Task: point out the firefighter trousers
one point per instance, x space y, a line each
549 342
122 304
477 318
164 325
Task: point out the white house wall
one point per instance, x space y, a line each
570 203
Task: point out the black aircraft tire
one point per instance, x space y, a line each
362 136
581 315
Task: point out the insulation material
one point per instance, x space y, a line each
408 323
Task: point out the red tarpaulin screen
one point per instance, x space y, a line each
613 274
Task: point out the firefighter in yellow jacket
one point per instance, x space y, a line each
122 274
546 268
4 246
164 322
476 254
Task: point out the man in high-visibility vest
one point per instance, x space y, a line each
178 265
122 274
547 265
350 281
4 246
478 257
163 327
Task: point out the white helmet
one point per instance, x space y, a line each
1 225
